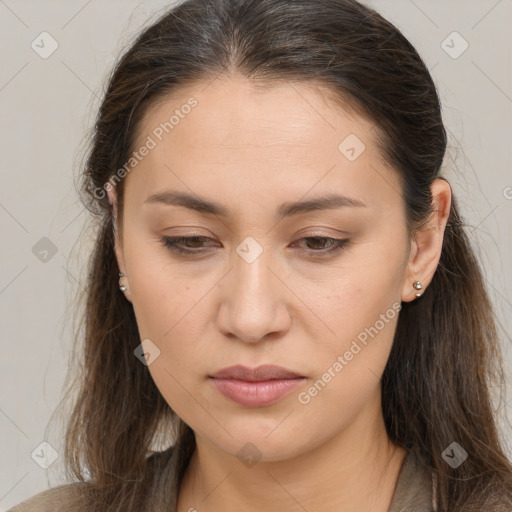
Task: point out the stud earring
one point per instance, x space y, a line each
122 287
417 286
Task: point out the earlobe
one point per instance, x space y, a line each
428 243
124 285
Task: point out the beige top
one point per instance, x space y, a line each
413 491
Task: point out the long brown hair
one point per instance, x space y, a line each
437 385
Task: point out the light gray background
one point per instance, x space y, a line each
48 104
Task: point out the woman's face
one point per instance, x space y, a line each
265 283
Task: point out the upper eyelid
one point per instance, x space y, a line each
312 232
207 238
336 243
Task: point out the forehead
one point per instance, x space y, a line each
234 112
279 140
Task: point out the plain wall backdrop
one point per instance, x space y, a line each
48 99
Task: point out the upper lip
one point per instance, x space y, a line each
260 373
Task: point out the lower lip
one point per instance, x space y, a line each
256 394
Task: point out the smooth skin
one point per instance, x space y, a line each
251 150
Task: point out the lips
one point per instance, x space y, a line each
256 387
261 373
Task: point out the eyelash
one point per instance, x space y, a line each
171 243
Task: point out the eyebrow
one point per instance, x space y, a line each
288 209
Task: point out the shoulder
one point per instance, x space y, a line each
66 497
78 496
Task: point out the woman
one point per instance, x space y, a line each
283 312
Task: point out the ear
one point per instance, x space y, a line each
118 248
428 242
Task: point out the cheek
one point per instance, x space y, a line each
361 307
348 370
169 310
172 314
360 293
161 290
363 327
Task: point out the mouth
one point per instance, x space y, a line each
256 387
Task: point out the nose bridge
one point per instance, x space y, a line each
253 305
251 272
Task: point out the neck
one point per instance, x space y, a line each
355 471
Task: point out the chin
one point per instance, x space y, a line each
261 440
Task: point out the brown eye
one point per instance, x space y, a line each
193 244
319 244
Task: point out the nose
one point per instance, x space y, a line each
254 302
